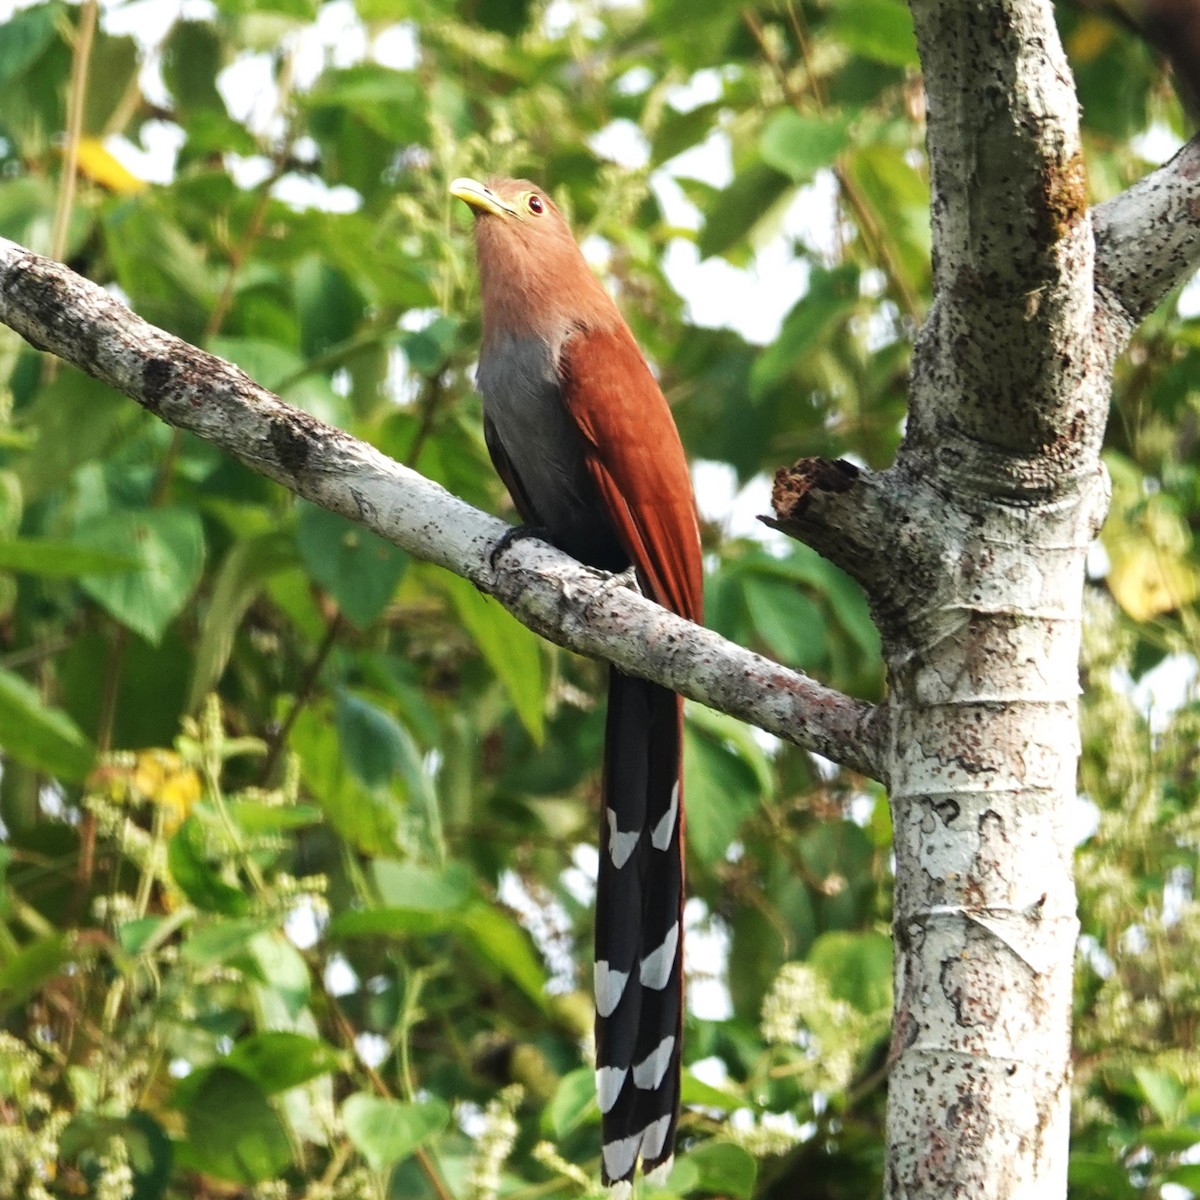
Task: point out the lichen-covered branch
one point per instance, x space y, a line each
1148 239
57 310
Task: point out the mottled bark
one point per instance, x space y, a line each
971 549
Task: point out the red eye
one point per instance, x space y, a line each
535 205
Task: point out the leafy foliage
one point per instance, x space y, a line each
325 934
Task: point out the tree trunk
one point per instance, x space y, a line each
971 549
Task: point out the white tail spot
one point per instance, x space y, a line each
655 1137
619 1156
655 970
609 986
650 1071
660 838
620 845
659 1176
609 1082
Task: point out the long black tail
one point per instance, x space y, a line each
639 927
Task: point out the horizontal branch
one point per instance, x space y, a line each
56 310
1148 237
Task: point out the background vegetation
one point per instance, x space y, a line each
297 833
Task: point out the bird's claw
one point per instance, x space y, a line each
513 534
627 578
622 579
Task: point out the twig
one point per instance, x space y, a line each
303 695
76 95
424 1159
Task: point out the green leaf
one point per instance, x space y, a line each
220 940
694 36
881 30
896 195
161 269
1187 1175
76 419
791 626
59 559
24 37
266 362
573 1102
192 55
233 1132
151 687
512 651
408 885
741 207
26 216
858 968
507 946
428 349
25 972
696 1091
41 737
722 788
414 900
724 1168
799 145
278 1060
328 304
358 568
282 968
832 298
259 816
1163 1091
377 748
1101 1176
385 921
199 879
135 935
388 1131
368 818
240 579
391 103
111 69
683 1180
169 546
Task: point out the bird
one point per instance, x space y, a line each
583 438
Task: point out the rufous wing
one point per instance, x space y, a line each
637 462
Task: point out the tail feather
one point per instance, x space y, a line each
639 927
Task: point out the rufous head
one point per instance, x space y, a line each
532 274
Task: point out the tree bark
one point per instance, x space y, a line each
970 548
995 496
1000 470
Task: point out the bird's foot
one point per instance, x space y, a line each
627 578
513 534
610 582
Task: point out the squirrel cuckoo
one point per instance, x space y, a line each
580 433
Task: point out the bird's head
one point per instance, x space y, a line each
532 273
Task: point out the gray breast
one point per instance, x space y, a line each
522 401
